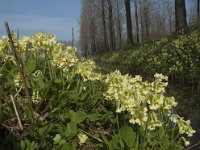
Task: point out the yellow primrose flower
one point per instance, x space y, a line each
186 143
154 122
82 138
23 43
4 45
139 116
184 126
17 80
160 77
156 101
169 103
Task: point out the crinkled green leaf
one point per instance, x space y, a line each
78 117
128 135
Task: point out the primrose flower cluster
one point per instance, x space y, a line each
62 57
67 60
183 127
145 102
37 42
86 69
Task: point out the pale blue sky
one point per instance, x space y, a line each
49 16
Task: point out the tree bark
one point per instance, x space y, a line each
119 25
72 37
146 19
198 12
93 36
180 13
128 22
170 24
111 25
137 21
142 22
104 24
85 28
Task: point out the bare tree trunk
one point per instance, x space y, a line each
111 25
84 25
141 23
104 24
137 21
128 22
146 18
180 12
170 24
72 37
93 36
198 12
119 25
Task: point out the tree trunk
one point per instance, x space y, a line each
141 22
111 25
146 19
137 21
104 25
72 37
198 12
128 22
170 25
180 13
119 25
93 36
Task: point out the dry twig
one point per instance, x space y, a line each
16 112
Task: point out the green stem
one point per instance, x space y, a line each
173 133
50 70
118 128
44 135
92 136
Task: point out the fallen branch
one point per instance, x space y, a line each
11 129
17 93
16 112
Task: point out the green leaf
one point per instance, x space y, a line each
161 132
63 98
40 83
78 117
64 95
42 130
33 146
128 135
66 145
83 96
70 130
74 95
136 144
57 139
94 117
22 145
114 143
31 64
